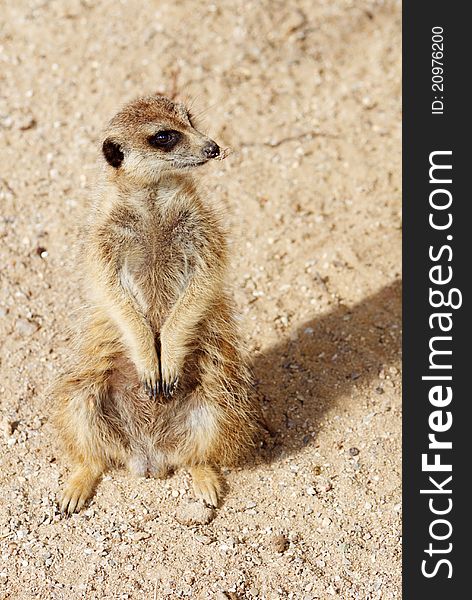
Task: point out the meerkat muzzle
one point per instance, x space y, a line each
211 150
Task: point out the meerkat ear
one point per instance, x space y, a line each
112 153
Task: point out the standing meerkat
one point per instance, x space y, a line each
158 380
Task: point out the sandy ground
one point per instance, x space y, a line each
307 93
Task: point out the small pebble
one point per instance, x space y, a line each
353 451
42 251
194 513
140 535
25 327
323 486
203 539
279 543
29 123
326 522
7 427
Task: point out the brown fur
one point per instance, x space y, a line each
155 257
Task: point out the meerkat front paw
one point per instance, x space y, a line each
151 378
152 384
170 373
170 380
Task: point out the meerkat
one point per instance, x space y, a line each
158 378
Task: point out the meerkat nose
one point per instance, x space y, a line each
210 150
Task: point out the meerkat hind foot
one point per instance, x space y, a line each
206 484
79 489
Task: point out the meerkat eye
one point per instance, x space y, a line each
165 140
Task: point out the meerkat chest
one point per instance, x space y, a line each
160 263
171 249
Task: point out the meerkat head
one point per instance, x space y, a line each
152 135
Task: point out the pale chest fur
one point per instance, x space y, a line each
159 263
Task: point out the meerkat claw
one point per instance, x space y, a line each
152 389
169 388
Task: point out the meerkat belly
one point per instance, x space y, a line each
182 433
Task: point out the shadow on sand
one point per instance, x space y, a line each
299 380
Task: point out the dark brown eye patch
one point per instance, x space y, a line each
165 140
